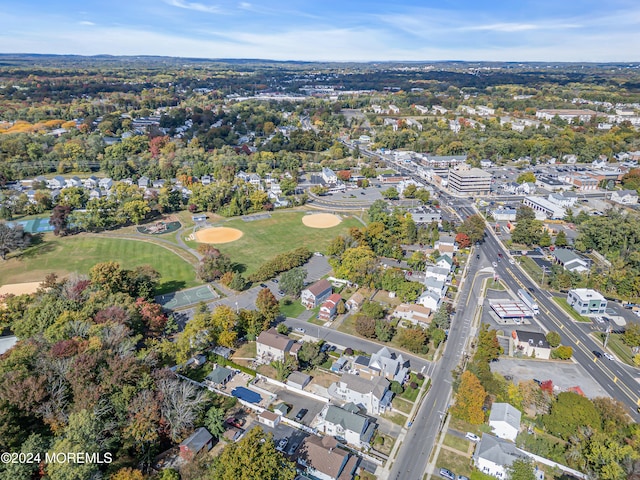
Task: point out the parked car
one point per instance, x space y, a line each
598 319
292 448
282 444
495 265
300 415
472 436
318 254
281 293
597 353
300 330
512 261
446 473
236 422
462 477
263 285
275 280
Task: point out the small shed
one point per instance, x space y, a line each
199 218
220 375
298 380
269 419
282 408
198 441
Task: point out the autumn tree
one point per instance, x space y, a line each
254 456
463 240
267 304
469 400
413 339
60 220
473 227
365 326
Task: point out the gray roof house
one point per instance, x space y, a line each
373 395
505 420
219 376
570 260
389 365
625 197
355 429
199 440
494 456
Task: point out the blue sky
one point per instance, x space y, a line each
350 30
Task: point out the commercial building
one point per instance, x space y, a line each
544 209
586 301
469 182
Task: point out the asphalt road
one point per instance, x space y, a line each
616 379
413 455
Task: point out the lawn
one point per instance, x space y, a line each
403 405
81 252
456 442
292 310
284 231
533 269
412 393
396 418
458 464
562 303
247 350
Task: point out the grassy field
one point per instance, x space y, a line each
456 442
284 231
458 464
562 302
80 253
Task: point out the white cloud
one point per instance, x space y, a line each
516 27
198 7
86 22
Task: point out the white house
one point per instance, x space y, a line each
373 395
414 314
346 424
441 274
329 175
272 346
493 456
625 197
105 183
505 421
429 300
314 295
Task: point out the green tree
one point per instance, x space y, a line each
238 282
35 443
569 412
283 367
473 227
469 399
372 310
390 193
545 239
563 352
561 239
214 421
527 177
413 339
311 354
553 339
521 469
254 456
12 238
396 388
357 264
410 191
384 330
631 335
292 281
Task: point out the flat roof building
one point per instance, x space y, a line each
586 301
467 182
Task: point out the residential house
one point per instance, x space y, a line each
73 182
439 273
504 420
345 425
272 346
219 376
444 261
429 300
56 182
198 441
493 456
143 182
158 183
355 302
254 179
438 287
105 184
205 179
393 109
322 459
316 294
94 194
383 363
90 183
625 197
586 301
373 395
329 308
414 314
531 344
570 260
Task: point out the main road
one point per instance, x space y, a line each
614 377
413 455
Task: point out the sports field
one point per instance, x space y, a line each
80 253
188 297
284 231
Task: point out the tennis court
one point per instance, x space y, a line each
36 225
185 298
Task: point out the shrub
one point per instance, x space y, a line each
413 385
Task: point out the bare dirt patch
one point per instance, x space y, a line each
19 288
218 235
321 220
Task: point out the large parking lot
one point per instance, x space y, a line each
564 375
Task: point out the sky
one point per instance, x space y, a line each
329 30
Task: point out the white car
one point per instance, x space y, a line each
300 330
495 265
472 436
512 261
609 356
598 319
282 444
